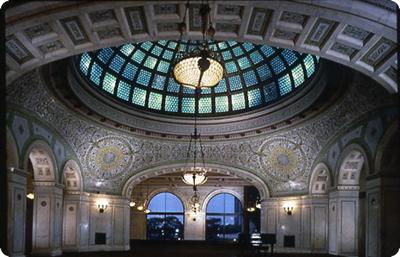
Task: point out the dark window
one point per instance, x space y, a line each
166 219
224 217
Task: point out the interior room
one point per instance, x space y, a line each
201 128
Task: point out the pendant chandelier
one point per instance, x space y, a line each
200 67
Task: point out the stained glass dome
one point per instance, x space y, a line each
140 76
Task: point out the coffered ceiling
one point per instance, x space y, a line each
355 33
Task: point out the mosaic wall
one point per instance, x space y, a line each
283 159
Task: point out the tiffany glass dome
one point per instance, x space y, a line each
140 76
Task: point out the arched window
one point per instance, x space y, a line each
224 217
166 219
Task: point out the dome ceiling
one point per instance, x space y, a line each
140 76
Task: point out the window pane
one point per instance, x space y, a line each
173 204
216 204
157 203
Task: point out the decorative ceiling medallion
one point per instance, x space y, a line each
109 157
282 159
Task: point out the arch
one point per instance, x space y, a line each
320 180
353 161
12 157
386 157
135 179
44 164
221 191
168 190
72 176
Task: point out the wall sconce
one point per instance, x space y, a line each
250 209
102 205
288 209
30 196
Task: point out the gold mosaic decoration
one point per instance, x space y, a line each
109 157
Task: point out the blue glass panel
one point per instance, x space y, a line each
116 63
230 67
256 57
96 73
123 90
150 62
146 45
155 100
172 45
158 82
130 71
168 55
226 55
221 104
222 45
298 75
309 63
173 86
290 57
235 83
267 50
156 50
237 51
264 72
248 46
84 63
284 84
250 78
254 97
105 54
139 96
205 91
244 63
232 43
162 42
127 49
187 90
171 103
238 102
163 66
205 105
188 105
221 87
270 92
277 65
138 56
109 83
143 78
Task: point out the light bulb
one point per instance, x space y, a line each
132 204
30 196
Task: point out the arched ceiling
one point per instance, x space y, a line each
356 33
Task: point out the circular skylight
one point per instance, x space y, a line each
140 75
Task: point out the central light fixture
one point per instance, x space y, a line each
200 67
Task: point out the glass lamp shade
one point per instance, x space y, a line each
200 177
187 72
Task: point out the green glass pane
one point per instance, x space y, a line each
123 90
221 104
109 83
139 96
171 103
205 105
155 100
238 102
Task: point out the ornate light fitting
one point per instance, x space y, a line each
102 205
200 67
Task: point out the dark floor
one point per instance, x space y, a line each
185 249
